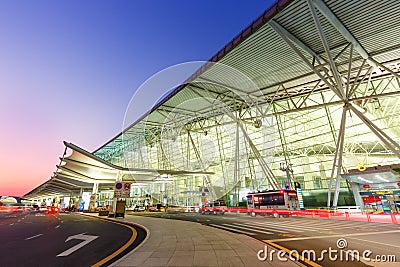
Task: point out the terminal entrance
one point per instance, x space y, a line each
376 189
385 201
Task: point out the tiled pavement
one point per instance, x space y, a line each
183 243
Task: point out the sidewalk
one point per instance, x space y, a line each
182 243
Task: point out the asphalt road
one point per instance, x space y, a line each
64 239
302 234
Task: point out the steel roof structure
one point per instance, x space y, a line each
310 83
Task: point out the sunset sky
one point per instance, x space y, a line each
68 70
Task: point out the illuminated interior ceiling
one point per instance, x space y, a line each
287 78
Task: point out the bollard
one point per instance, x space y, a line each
368 217
347 216
394 220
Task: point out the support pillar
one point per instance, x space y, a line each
80 199
93 197
236 177
357 197
337 162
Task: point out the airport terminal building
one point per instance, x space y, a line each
306 95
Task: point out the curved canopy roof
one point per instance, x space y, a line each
82 169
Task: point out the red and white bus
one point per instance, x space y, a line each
272 202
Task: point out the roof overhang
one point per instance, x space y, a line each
80 169
378 175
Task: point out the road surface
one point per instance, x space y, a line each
63 239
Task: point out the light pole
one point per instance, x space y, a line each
286 169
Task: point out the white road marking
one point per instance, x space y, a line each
247 228
33 237
276 226
11 224
86 240
329 236
316 227
230 229
297 226
57 226
251 226
369 241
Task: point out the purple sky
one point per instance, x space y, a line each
68 70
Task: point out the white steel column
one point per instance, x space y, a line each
356 192
338 160
236 177
93 197
80 198
95 189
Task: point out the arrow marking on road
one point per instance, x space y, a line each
86 240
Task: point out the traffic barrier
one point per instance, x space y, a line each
368 217
394 220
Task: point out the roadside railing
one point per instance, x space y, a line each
349 214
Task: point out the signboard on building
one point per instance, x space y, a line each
122 190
